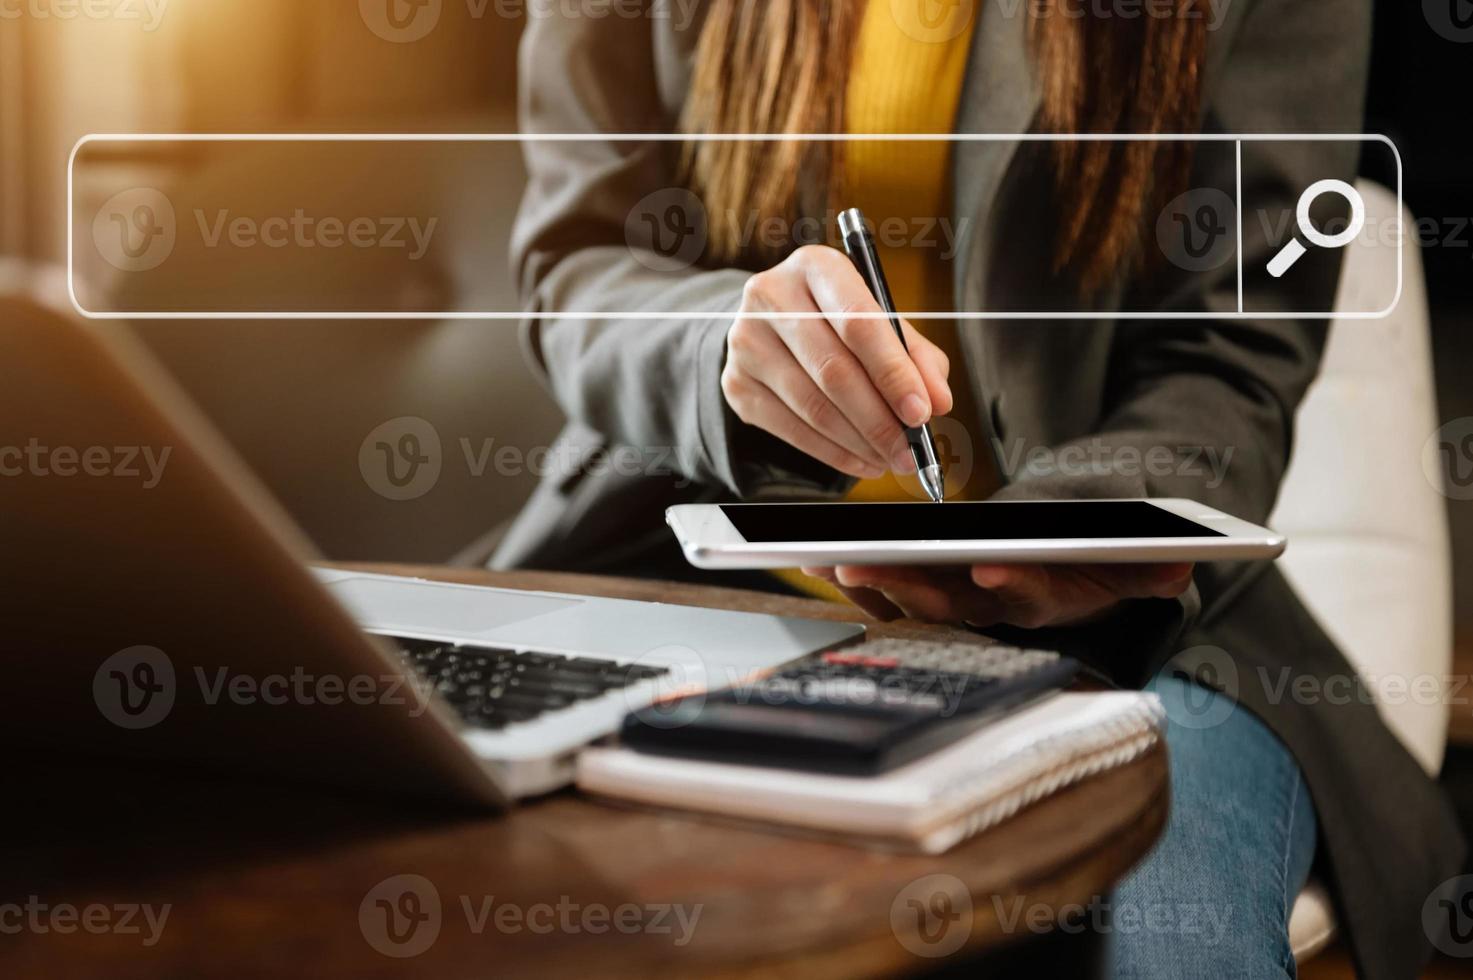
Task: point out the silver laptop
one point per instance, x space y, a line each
583 663
167 612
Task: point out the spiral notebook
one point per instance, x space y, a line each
931 804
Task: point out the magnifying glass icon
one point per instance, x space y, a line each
1294 251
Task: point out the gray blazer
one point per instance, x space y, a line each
649 426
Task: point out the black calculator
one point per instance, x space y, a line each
859 711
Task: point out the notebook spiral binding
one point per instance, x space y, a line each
1046 768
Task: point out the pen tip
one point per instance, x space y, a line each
933 483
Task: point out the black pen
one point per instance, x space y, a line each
861 249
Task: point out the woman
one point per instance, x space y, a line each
741 399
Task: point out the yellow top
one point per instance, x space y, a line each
907 78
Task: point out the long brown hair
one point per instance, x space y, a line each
778 66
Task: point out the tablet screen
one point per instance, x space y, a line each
774 523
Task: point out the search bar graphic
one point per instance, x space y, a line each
1294 251
415 226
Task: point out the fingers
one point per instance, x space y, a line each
1040 595
848 380
756 405
1028 594
874 603
935 368
918 598
928 594
838 373
762 355
768 301
840 292
1160 581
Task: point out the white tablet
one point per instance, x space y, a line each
822 535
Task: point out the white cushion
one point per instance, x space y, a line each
1312 926
1368 540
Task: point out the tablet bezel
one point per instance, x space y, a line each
711 541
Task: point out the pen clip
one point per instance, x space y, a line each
860 247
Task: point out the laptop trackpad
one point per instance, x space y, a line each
422 607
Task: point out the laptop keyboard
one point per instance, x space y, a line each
492 688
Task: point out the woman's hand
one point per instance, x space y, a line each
835 388
1026 596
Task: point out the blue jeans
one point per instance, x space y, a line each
1213 899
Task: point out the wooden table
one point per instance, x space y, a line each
264 879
